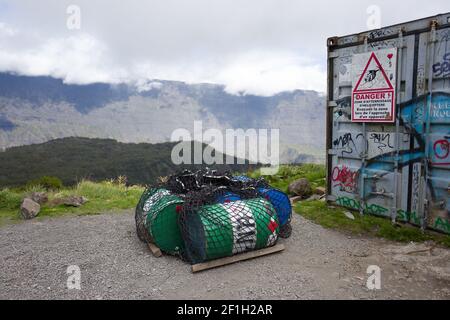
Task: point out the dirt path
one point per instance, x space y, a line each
317 264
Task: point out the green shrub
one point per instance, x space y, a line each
46 182
315 173
9 199
334 218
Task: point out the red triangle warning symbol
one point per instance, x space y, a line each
373 77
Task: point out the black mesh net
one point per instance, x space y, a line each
205 215
157 219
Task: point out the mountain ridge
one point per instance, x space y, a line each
38 109
65 158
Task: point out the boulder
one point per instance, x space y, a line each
29 208
301 188
74 201
39 197
71 201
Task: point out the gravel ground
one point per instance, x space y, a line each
317 264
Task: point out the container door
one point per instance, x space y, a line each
368 167
433 108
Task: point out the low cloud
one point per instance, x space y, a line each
6 31
268 73
82 59
79 59
258 47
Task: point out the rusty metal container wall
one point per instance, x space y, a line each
397 170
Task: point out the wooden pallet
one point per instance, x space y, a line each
224 261
233 259
155 250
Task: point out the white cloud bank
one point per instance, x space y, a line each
82 59
257 47
267 73
77 59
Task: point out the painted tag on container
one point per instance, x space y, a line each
374 78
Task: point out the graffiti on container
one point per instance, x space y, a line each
418 114
345 179
440 113
379 33
383 140
440 110
368 208
345 143
343 107
442 224
413 116
442 68
415 193
373 35
375 209
421 79
406 216
379 143
345 65
439 223
441 149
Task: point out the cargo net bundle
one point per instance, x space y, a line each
206 215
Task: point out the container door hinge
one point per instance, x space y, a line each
333 55
332 104
332 152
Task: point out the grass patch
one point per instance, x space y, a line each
315 173
102 196
334 218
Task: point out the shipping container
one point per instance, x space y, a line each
388 122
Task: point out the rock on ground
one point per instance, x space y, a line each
317 264
29 209
71 201
300 187
39 197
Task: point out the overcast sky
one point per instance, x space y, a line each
251 46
